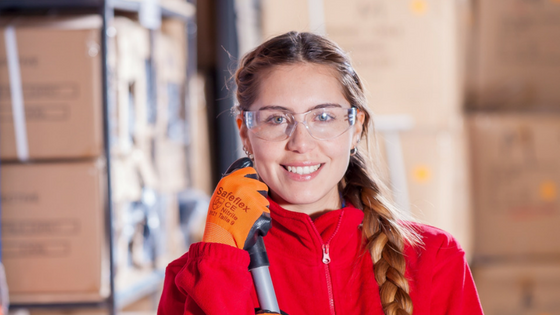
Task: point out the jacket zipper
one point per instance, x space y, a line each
326 259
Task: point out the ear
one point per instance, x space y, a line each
243 133
358 128
239 121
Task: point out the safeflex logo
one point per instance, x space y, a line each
229 201
218 203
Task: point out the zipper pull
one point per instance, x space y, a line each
326 257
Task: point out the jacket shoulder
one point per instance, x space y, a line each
435 242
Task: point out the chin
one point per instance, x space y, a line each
299 197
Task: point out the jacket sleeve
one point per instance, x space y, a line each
453 291
208 279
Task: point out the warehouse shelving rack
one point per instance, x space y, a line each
107 9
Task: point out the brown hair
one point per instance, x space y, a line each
384 233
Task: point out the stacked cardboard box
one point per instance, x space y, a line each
134 177
62 109
133 112
410 56
173 131
199 140
409 53
516 57
436 168
52 231
182 152
149 151
170 144
52 212
516 180
517 288
515 139
54 190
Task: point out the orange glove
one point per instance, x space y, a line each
238 210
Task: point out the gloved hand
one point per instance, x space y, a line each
238 210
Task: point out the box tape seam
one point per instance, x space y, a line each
18 111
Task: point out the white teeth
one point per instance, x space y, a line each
303 170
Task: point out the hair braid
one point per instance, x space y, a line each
385 239
386 248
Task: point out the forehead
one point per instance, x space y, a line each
300 87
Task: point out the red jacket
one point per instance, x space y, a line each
214 278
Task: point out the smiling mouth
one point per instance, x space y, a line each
302 170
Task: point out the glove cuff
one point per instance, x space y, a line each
213 233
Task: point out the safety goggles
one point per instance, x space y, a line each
324 123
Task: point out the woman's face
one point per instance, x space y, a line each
299 88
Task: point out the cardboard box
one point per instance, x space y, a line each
128 177
147 233
170 56
134 111
172 242
171 51
133 190
516 57
150 123
515 182
170 163
171 126
199 156
520 289
408 53
60 67
53 231
436 167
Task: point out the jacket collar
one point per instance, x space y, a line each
297 235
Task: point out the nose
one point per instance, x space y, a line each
300 140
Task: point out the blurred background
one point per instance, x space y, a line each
115 126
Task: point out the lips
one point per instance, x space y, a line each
302 170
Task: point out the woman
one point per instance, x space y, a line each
336 246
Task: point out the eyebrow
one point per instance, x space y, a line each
282 108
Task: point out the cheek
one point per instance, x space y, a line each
341 156
342 145
265 154
340 153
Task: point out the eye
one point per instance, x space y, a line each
276 119
324 116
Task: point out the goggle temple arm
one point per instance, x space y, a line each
352 115
248 118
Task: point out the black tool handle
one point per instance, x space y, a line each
258 265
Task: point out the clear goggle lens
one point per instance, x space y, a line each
322 123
